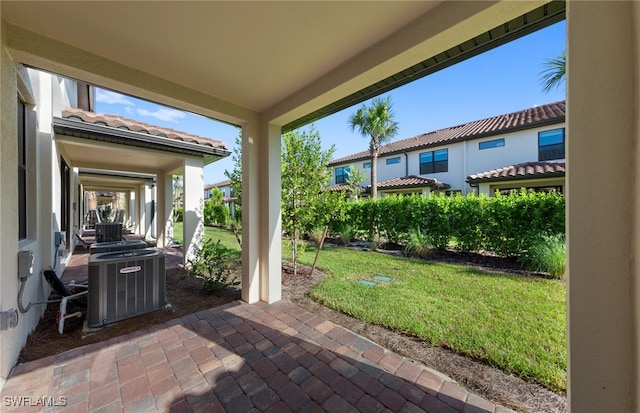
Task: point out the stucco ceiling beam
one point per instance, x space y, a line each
44 53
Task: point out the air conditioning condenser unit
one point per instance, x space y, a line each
124 284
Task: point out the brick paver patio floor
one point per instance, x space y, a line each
237 358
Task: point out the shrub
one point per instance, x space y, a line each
419 244
466 216
213 264
507 225
548 255
346 234
178 214
315 235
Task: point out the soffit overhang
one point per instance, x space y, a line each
284 62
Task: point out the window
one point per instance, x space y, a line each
366 165
434 161
496 143
391 161
551 145
22 171
342 174
65 196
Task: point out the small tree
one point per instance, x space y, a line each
305 179
375 122
215 212
178 191
355 178
235 176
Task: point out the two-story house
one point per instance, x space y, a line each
510 151
227 195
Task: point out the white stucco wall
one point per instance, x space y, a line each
37 89
465 158
519 147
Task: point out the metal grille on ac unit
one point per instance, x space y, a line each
125 284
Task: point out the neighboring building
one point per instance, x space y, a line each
227 195
224 187
462 158
58 163
540 176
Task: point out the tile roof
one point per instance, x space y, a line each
339 187
520 171
411 181
537 116
218 184
140 127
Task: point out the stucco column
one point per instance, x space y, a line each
261 223
602 111
164 206
143 215
270 213
193 219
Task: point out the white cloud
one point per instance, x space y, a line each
165 114
112 98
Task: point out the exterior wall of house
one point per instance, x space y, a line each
455 174
43 97
519 147
464 158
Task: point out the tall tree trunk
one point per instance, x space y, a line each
374 174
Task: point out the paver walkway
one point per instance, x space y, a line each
237 358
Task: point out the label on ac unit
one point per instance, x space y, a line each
127 270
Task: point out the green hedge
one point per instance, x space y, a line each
507 225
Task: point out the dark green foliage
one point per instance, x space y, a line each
178 214
213 264
215 213
467 221
418 244
548 254
507 225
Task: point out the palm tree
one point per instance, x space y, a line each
555 73
375 122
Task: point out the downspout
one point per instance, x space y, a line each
406 164
464 164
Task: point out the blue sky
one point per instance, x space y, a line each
503 80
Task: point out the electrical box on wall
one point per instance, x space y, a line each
60 242
60 238
25 264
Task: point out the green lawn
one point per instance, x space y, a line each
511 322
227 238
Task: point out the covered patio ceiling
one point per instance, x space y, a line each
288 62
112 181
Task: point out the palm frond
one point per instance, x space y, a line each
554 74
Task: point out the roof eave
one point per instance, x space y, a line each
516 178
90 131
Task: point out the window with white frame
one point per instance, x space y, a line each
342 174
434 161
551 144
